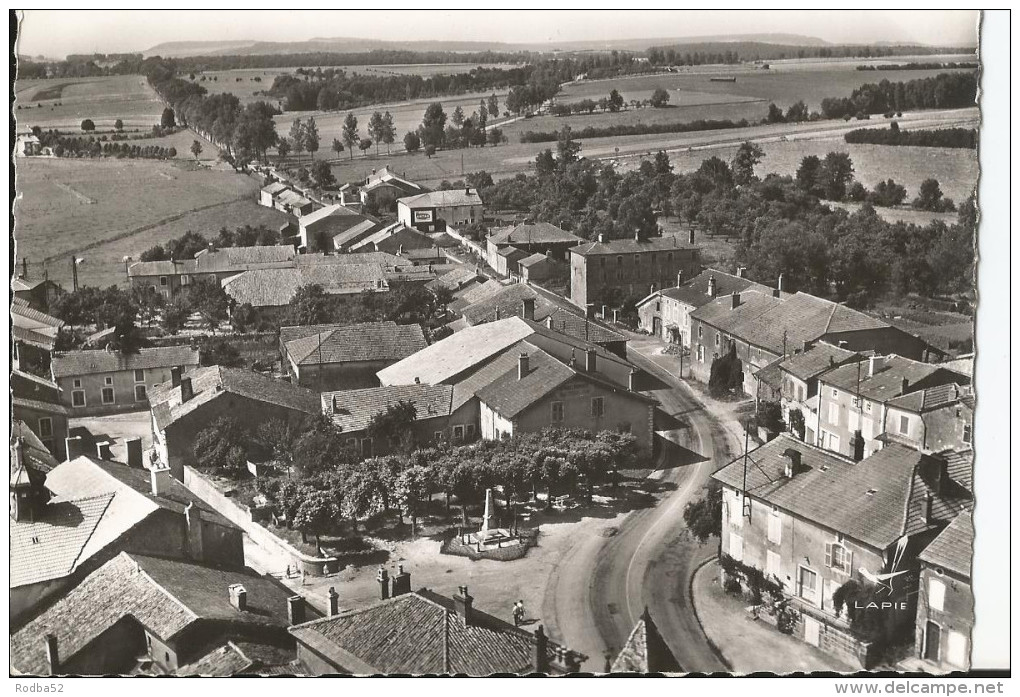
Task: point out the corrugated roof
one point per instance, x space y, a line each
953 549
420 632
92 362
370 341
353 410
533 233
875 501
443 199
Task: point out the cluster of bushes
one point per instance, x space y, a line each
191 243
944 91
934 138
100 146
636 129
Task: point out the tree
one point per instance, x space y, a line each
219 351
545 163
704 516
797 423
88 126
244 317
394 426
726 373
175 314
836 174
430 150
433 124
322 174
283 148
311 136
797 112
316 514
660 98
496 136
457 118
364 145
167 118
338 147
297 135
375 128
412 489
412 143
809 173
888 193
567 149
483 111
774 115
208 298
747 156
310 305
616 100
349 132
769 416
928 196
388 133
119 125
493 106
196 148
220 446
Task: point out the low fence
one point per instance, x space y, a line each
241 516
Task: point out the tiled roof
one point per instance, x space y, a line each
335 210
533 259
347 230
34 337
963 365
629 245
384 259
953 549
513 254
207 383
274 188
532 234
229 259
27 284
959 466
392 238
39 405
875 501
506 302
24 316
353 410
819 358
694 291
930 398
442 199
420 632
777 323
370 341
92 362
887 380
293 198
771 375
164 596
35 454
468 386
51 546
450 357
276 287
454 279
645 651
475 294
162 268
566 322
224 661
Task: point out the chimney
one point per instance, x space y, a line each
875 364
679 278
522 366
75 447
541 646
602 238
467 189
175 376
690 239
332 602
295 610
497 314
792 462
528 309
651 289
383 578
401 582
857 443
806 345
462 604
735 301
711 286
186 392
134 452
779 284
928 500
159 478
103 451
604 310
904 384
637 235
238 597
589 310
589 360
616 316
193 519
549 322
52 655
632 380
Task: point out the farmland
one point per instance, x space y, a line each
64 104
104 210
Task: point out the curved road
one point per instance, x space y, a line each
600 588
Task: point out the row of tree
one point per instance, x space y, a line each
945 91
716 52
933 138
191 243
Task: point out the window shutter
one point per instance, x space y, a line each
850 562
828 554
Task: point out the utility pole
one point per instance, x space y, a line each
24 268
745 504
74 271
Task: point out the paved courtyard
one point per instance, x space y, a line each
119 428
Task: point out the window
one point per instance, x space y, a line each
108 380
139 376
78 398
736 546
967 433
352 442
737 510
717 339
838 557
956 649
438 436
936 594
772 567
458 433
45 427
557 412
598 406
108 396
658 306
855 420
867 406
366 447
800 393
700 331
775 527
904 424
807 580
833 413
185 280
701 353
469 430
835 393
163 281
77 382
140 395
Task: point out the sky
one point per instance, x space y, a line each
57 33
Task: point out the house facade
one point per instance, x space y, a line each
534 238
933 419
945 604
435 210
105 382
382 188
334 227
36 402
171 276
607 271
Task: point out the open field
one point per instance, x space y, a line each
104 210
65 103
903 214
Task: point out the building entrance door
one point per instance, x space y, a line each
932 639
811 631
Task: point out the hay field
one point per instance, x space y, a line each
103 210
64 103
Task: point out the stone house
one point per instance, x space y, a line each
435 210
382 188
945 604
171 276
534 238
932 419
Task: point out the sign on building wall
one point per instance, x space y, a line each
423 216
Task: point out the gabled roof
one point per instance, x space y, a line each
953 549
26 317
369 341
818 359
443 199
959 466
353 410
420 632
274 188
476 293
40 405
629 245
293 198
276 287
931 398
384 259
229 259
347 230
384 177
19 284
165 596
94 362
645 651
470 384
454 279
875 501
394 237
566 322
207 383
694 291
532 234
335 210
34 453
887 380
506 302
533 259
